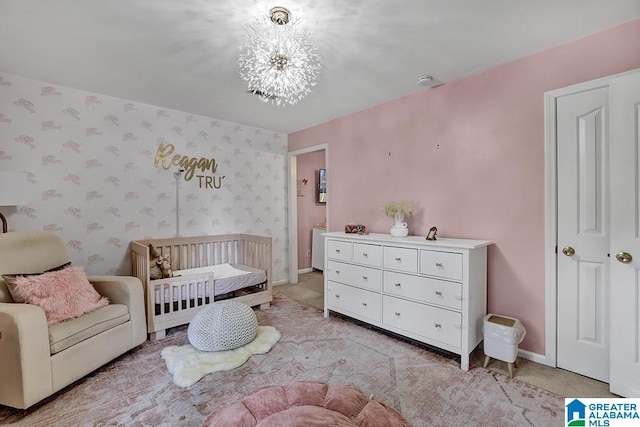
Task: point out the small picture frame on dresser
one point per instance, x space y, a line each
431 235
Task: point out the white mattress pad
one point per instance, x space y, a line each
220 271
227 278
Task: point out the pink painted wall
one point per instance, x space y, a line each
470 154
310 212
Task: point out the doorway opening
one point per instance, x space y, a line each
293 203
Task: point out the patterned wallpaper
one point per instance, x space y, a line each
100 173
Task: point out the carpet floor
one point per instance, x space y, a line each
427 387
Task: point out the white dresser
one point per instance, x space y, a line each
431 291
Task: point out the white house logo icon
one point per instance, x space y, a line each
576 413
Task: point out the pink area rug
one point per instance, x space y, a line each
426 387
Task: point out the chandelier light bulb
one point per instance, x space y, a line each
279 60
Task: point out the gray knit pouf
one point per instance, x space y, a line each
223 325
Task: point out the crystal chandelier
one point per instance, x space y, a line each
279 60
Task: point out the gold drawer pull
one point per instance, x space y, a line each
365 254
338 251
397 313
438 264
365 278
398 258
439 293
438 325
337 271
398 285
364 304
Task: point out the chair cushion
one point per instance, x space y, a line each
70 332
223 325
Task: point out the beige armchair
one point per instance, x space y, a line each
37 360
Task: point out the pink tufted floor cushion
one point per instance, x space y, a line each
306 404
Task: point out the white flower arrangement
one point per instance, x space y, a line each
399 210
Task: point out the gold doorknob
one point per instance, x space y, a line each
568 251
624 257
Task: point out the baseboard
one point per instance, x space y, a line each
280 282
534 357
305 270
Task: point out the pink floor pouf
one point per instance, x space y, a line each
309 404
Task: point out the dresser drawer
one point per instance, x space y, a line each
431 322
367 254
434 291
337 249
356 275
447 265
402 259
347 299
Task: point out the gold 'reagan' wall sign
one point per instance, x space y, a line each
166 159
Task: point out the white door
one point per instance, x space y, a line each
625 235
583 233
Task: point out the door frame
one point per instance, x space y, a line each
551 209
292 162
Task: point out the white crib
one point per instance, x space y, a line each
174 301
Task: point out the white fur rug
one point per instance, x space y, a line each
188 365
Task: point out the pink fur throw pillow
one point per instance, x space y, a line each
10 280
62 294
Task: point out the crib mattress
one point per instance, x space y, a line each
226 281
227 278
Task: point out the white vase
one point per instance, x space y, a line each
399 227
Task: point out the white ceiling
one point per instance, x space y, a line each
182 54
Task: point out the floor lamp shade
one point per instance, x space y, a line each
12 192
